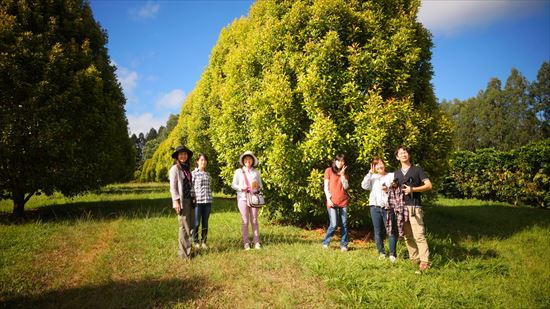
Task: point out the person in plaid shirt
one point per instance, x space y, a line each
203 200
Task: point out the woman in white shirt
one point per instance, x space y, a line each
247 179
378 181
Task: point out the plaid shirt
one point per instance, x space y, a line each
397 204
201 184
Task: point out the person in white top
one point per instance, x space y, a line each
247 179
378 181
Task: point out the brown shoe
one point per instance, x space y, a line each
423 266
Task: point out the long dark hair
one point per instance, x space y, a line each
338 157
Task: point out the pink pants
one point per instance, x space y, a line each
246 213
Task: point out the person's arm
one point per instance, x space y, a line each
344 181
174 192
235 185
327 193
366 184
425 187
259 181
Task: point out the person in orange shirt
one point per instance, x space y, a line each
335 186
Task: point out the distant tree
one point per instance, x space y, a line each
540 90
502 119
62 122
152 134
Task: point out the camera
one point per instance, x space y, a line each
394 184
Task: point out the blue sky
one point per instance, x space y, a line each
160 48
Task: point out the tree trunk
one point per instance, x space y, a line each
18 204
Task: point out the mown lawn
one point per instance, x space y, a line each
118 248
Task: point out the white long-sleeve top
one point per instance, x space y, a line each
239 183
373 182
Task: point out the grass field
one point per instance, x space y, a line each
117 248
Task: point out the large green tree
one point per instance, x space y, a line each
298 82
62 118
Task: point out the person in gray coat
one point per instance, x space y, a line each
181 190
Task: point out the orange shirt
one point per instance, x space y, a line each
338 195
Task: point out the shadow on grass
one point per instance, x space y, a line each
125 294
108 210
450 226
474 222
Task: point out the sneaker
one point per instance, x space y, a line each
343 249
325 246
392 258
257 246
204 246
246 247
382 256
197 246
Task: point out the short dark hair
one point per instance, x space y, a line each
201 155
404 148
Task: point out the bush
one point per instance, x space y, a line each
520 176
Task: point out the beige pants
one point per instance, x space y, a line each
186 223
414 235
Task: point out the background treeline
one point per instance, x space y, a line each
147 144
503 118
299 81
491 131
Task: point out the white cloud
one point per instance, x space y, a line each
149 10
145 122
451 16
128 80
172 100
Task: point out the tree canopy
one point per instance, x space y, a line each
299 81
62 118
503 118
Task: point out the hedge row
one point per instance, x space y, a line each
520 176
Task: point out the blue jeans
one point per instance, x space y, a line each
378 216
333 214
202 211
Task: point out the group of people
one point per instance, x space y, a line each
394 200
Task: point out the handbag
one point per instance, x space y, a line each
253 199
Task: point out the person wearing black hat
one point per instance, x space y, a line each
181 190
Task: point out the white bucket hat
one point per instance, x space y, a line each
248 153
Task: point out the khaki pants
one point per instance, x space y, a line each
414 235
186 221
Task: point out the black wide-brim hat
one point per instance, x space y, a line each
182 149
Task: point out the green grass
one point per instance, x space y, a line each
117 248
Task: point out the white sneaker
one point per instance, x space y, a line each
197 246
204 246
392 258
246 247
382 256
257 246
343 249
325 246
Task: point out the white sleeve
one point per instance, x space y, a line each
344 182
235 184
366 183
327 192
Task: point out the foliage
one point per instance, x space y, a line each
62 118
299 81
520 176
503 118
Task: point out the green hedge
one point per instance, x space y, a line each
520 176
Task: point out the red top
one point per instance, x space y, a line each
338 195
